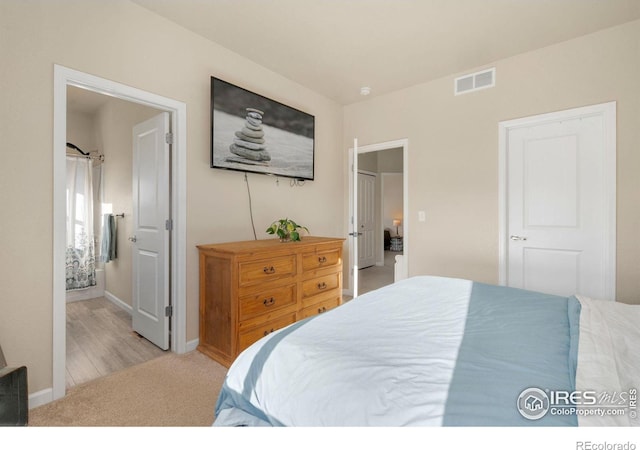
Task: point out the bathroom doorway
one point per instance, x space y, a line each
99 335
64 78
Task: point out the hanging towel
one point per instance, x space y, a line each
109 248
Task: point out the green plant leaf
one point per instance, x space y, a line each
286 228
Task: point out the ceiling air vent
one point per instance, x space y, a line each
475 81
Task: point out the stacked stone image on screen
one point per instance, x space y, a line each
249 142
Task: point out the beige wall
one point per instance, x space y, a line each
81 131
453 148
390 161
123 42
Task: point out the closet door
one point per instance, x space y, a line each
560 203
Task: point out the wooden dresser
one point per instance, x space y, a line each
249 289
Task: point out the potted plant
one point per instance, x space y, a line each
286 229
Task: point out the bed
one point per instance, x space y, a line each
435 351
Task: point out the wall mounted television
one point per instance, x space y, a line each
252 133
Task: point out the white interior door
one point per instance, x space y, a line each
151 237
558 206
366 220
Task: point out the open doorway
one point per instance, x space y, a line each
378 200
65 79
380 211
100 338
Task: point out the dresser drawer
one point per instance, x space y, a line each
249 337
320 285
267 301
320 308
320 259
252 272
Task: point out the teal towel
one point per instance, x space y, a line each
109 248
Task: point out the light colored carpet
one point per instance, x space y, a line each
172 390
374 277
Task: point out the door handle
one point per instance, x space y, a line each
518 238
133 239
355 234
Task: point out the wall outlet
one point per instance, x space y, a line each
422 216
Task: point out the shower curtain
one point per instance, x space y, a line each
80 254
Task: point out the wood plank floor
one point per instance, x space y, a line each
100 341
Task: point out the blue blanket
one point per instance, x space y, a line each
424 351
513 340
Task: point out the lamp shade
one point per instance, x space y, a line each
396 222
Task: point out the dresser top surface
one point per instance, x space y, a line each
268 244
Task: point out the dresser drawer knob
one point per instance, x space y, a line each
267 332
269 270
321 310
322 259
268 301
322 285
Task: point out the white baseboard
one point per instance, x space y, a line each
40 398
192 345
116 301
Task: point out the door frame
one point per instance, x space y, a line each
64 77
388 145
608 113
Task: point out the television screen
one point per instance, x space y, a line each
252 133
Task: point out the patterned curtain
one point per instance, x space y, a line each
80 255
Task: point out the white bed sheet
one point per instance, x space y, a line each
608 362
